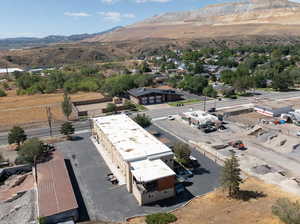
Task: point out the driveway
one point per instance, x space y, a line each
107 202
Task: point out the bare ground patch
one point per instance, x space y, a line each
215 208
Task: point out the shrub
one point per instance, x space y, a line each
160 218
67 129
30 151
111 107
2 93
182 152
287 211
143 120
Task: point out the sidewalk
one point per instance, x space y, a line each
108 162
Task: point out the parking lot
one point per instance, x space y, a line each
108 202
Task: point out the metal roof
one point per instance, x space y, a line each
10 70
146 91
55 191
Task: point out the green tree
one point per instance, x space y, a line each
144 67
230 177
194 84
111 108
198 68
67 129
5 85
287 211
30 151
118 85
182 152
143 80
143 120
17 135
2 93
66 105
282 81
228 76
209 91
129 105
260 80
242 84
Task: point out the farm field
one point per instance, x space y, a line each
215 208
24 110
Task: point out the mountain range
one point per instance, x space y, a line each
256 22
242 18
23 42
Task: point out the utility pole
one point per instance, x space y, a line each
204 103
49 116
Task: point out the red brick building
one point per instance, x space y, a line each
148 96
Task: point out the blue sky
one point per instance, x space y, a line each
40 18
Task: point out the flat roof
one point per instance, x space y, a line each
273 105
201 116
10 70
55 191
150 170
131 140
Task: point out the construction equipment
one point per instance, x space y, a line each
237 144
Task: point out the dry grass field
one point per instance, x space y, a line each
22 110
215 208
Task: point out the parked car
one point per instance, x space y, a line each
128 113
212 110
182 179
298 133
48 147
171 118
237 144
184 172
179 188
209 129
194 162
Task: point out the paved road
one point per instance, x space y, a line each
156 113
44 131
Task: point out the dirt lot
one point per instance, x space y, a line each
18 110
215 208
248 119
10 187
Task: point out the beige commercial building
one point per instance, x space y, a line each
145 162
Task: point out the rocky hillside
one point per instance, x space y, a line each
248 17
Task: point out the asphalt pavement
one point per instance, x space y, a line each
108 202
157 113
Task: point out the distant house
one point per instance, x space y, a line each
273 110
223 88
147 96
9 70
36 70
